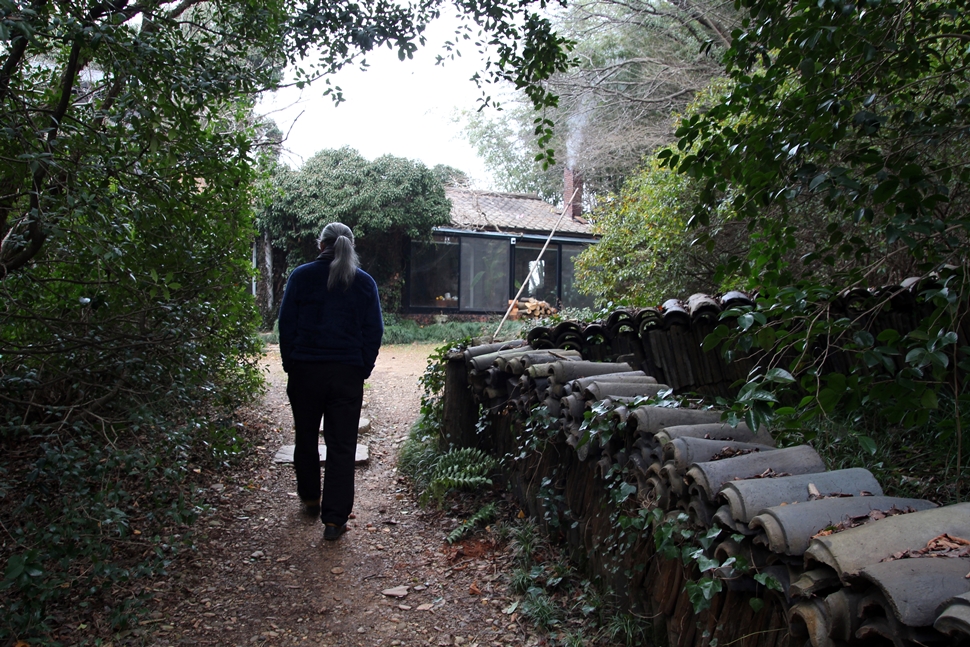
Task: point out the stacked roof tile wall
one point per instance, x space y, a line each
775 509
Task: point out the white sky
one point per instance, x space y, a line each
402 108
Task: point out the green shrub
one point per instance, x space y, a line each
406 331
273 336
646 253
918 462
423 448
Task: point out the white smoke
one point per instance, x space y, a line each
576 124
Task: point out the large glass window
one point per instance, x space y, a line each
434 273
484 274
571 296
471 273
539 275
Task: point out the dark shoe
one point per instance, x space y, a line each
311 507
332 532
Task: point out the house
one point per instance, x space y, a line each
474 265
492 246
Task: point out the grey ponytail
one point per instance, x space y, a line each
344 266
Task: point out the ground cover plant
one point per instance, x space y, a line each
90 520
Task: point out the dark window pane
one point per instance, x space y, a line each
539 276
484 274
571 296
434 273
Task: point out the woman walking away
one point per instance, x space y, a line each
330 332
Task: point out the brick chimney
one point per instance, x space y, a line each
573 182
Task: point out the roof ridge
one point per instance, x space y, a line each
499 194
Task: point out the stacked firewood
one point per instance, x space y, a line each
530 308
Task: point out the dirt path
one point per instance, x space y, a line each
262 574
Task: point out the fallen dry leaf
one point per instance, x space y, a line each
731 452
473 589
949 541
944 545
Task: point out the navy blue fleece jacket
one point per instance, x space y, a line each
319 325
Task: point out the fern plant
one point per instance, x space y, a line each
485 514
459 469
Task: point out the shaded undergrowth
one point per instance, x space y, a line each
90 516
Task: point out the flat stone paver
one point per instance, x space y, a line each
285 454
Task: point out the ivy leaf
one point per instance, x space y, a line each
626 490
701 592
768 581
705 563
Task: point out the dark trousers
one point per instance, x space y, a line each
334 392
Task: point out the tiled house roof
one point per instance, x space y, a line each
512 213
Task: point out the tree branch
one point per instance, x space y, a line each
16 55
35 234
